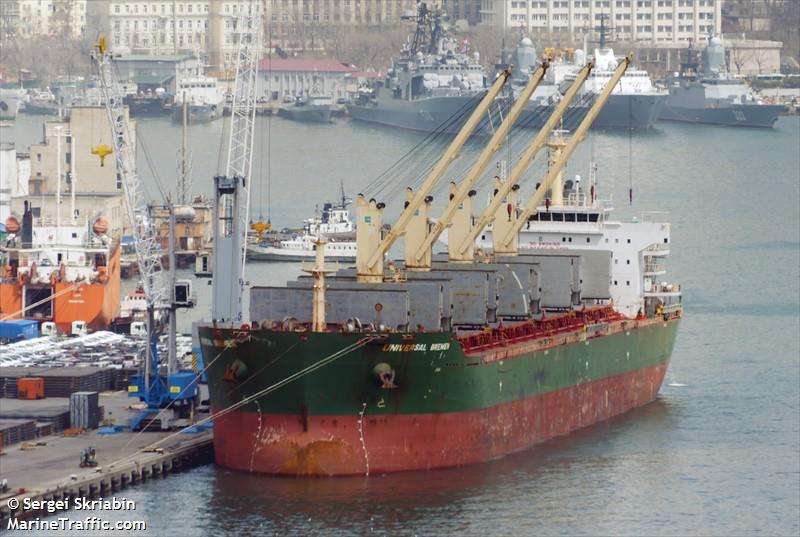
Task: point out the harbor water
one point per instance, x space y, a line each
717 454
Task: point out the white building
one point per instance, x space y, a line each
154 71
87 184
281 78
208 26
26 19
650 21
15 170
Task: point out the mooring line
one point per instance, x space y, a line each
291 378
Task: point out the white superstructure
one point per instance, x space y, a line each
334 224
633 82
582 222
200 90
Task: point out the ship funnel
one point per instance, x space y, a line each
27 227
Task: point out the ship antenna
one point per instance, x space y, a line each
630 152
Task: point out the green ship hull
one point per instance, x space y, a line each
363 403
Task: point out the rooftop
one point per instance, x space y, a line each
154 58
305 65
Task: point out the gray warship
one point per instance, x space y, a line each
310 109
431 86
635 103
713 96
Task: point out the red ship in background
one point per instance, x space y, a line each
61 273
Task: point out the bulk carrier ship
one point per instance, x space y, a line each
436 361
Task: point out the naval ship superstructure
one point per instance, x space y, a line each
713 96
432 86
634 104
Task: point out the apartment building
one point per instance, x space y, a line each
650 21
96 185
207 27
27 19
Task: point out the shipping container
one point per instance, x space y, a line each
30 388
84 410
18 330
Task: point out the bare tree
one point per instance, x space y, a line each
739 56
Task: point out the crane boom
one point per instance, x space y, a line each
519 168
480 165
232 190
558 165
148 250
369 263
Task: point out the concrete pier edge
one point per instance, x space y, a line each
183 454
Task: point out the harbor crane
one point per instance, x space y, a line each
173 389
232 188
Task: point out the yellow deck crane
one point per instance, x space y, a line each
463 232
371 246
419 243
505 240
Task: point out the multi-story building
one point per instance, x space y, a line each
15 170
469 10
650 21
208 26
91 179
26 19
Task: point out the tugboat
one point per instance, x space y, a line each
203 96
310 109
714 97
432 86
149 103
334 224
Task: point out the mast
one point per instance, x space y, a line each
58 130
184 180
73 177
462 250
505 244
370 252
318 271
421 257
232 190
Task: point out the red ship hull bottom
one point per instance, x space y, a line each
373 444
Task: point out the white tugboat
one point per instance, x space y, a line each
334 224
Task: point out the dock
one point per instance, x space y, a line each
48 467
